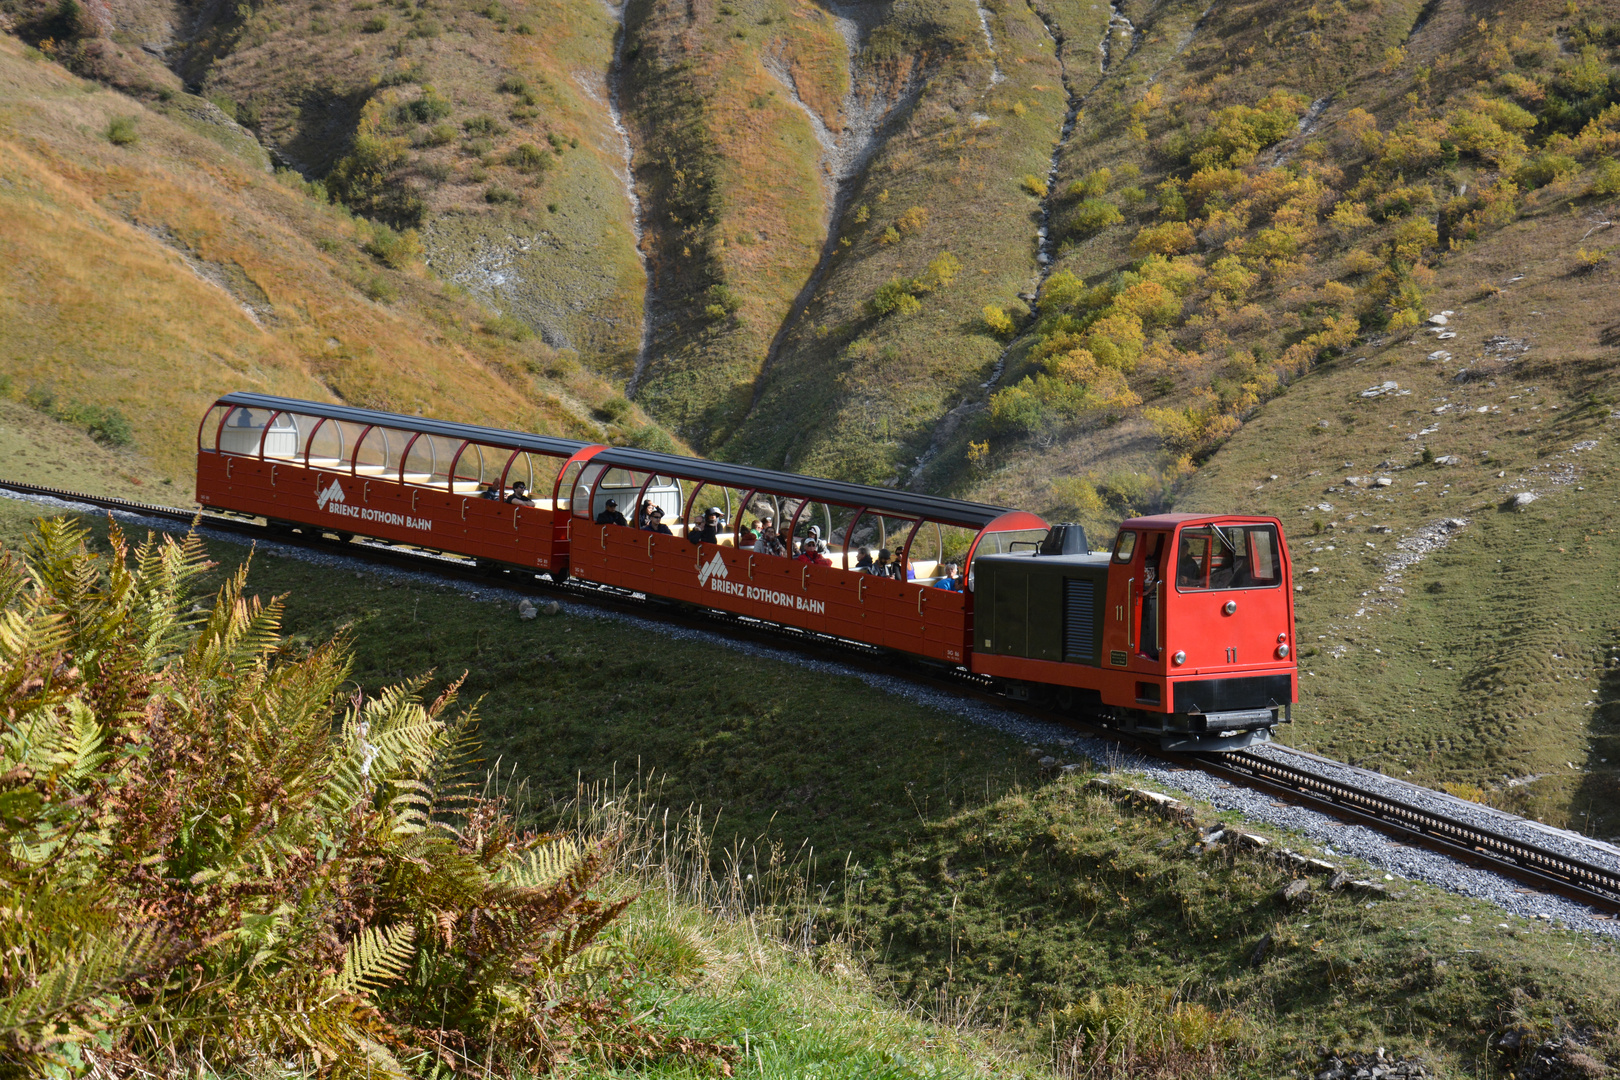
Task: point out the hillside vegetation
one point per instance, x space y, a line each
1052 925
150 260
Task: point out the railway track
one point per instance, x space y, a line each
1541 867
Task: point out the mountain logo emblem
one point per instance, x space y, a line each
715 568
333 494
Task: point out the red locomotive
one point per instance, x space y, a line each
1185 629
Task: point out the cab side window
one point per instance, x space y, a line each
1125 547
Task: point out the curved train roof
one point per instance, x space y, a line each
544 444
816 489
880 499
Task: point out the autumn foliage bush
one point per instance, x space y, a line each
221 857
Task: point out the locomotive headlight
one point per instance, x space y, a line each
1282 652
1179 659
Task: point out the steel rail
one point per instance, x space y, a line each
1551 871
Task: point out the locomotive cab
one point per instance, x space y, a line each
1184 629
1201 608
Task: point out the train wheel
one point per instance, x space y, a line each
1065 698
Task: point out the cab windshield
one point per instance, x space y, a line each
1213 557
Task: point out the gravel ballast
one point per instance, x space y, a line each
1333 839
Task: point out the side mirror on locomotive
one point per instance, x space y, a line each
1185 629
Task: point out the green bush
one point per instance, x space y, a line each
1093 185
220 854
1606 179
497 195
529 158
1546 169
121 131
723 303
425 28
614 409
426 109
651 437
396 249
1091 216
895 296
440 135
483 124
514 84
378 288
375 25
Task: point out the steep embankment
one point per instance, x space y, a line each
944 220
139 278
484 124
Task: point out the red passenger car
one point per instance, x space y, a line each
1184 629
404 479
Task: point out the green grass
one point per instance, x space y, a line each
932 855
1478 665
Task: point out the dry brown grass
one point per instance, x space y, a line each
154 277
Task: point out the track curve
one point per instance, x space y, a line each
1540 866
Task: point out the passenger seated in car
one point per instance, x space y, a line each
709 531
885 565
611 515
820 552
655 521
863 561
520 494
643 514
490 491
769 542
747 538
807 551
951 579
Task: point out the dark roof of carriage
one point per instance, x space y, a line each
745 477
544 444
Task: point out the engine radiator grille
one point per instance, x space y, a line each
1079 619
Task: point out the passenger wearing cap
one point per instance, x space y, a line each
520 494
655 521
709 531
611 515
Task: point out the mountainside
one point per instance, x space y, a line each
140 279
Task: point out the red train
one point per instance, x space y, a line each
1185 629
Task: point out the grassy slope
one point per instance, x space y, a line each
1492 650
732 175
563 257
857 396
1015 894
153 277
1215 354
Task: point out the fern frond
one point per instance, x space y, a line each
91 972
375 957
